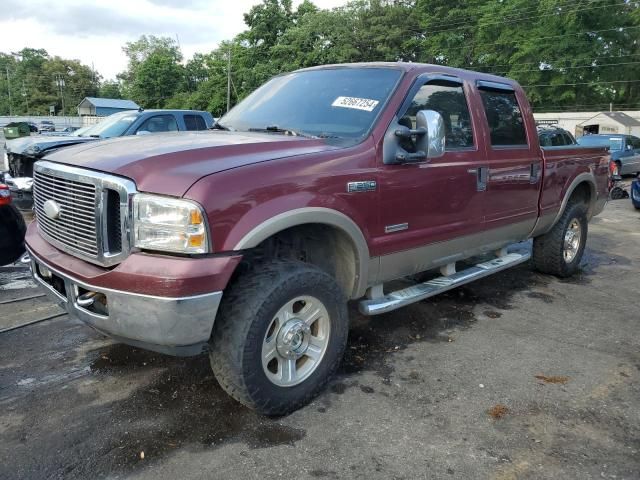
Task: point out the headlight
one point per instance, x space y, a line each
169 224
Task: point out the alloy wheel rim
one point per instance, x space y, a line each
572 238
295 341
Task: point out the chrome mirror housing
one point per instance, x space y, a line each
433 143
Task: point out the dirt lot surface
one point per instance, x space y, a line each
517 376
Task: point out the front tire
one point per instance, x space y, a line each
280 334
559 251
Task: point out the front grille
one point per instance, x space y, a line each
114 222
88 214
76 226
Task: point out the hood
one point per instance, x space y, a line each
39 145
171 163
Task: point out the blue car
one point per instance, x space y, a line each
635 192
625 150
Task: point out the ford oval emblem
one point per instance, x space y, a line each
52 209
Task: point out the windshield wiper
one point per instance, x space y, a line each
285 131
218 126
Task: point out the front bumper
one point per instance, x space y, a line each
176 326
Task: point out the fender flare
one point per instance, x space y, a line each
584 177
318 215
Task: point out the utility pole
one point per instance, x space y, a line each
229 79
26 97
60 84
9 89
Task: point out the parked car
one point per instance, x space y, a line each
12 229
635 192
24 152
625 150
555 137
46 126
323 185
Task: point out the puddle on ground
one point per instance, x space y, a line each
191 407
181 407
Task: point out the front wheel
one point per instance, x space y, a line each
559 251
279 336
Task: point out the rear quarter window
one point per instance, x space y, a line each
504 118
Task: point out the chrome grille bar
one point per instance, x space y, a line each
76 226
80 227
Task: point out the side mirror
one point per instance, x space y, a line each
435 139
428 138
629 147
143 132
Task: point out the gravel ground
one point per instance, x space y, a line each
516 376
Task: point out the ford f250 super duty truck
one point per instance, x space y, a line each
320 187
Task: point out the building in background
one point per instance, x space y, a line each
579 123
611 122
102 107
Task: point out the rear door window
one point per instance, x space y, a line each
504 117
194 122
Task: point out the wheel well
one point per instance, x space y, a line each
324 246
582 193
585 193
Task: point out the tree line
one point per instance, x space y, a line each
569 55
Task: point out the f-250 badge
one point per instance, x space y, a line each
363 186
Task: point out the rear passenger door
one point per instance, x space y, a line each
513 160
634 161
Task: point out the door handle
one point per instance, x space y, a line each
482 176
534 174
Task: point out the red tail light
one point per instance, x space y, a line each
613 168
5 195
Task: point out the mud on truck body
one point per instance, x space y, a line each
321 187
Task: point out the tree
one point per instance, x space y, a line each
110 89
158 78
144 55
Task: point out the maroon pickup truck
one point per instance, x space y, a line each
322 186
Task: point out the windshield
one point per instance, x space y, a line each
614 143
112 126
338 102
80 132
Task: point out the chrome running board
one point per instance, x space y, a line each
415 293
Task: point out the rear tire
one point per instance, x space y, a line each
280 334
559 251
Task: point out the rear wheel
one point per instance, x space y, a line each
281 333
559 251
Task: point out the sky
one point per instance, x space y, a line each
95 32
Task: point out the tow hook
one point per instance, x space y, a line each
86 299
26 258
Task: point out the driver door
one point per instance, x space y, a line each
432 207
